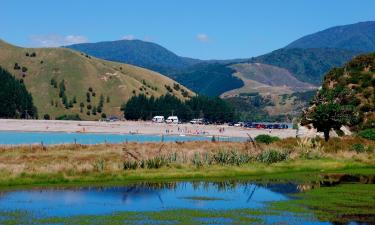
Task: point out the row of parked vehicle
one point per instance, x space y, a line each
259 125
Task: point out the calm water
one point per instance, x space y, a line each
149 197
16 138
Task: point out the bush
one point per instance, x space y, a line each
272 156
128 165
359 148
265 138
68 117
46 117
368 134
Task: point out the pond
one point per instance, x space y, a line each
48 138
160 203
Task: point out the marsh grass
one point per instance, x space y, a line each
117 162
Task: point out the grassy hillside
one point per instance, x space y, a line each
307 65
354 37
116 82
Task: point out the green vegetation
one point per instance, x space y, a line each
266 139
331 109
65 75
68 117
272 156
307 65
208 79
354 37
212 109
343 203
347 97
368 134
15 100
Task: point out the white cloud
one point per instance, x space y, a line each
128 37
202 37
54 40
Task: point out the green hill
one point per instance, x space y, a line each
353 84
353 37
136 52
307 65
49 74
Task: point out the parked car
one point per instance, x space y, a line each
158 119
197 121
172 119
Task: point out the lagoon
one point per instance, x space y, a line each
51 138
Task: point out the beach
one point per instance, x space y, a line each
137 127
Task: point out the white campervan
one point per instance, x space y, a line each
158 119
172 119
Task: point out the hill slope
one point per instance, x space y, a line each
354 37
136 52
50 70
307 65
266 79
357 80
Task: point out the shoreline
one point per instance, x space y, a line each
137 127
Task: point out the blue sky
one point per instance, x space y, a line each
206 29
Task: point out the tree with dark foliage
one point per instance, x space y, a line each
15 100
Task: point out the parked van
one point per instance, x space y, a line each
172 119
158 119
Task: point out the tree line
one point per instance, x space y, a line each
213 109
15 100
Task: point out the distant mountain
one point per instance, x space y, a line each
136 52
60 79
354 37
307 65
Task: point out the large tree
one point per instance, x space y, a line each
15 100
331 109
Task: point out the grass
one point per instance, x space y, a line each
343 203
121 163
178 216
111 79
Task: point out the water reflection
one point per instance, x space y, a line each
219 195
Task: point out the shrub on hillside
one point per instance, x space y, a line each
368 134
68 117
272 156
265 138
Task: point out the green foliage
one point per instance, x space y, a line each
68 117
130 165
142 107
270 156
368 134
230 158
15 100
46 117
308 65
265 138
331 109
211 79
359 148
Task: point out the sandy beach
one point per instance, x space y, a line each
126 127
